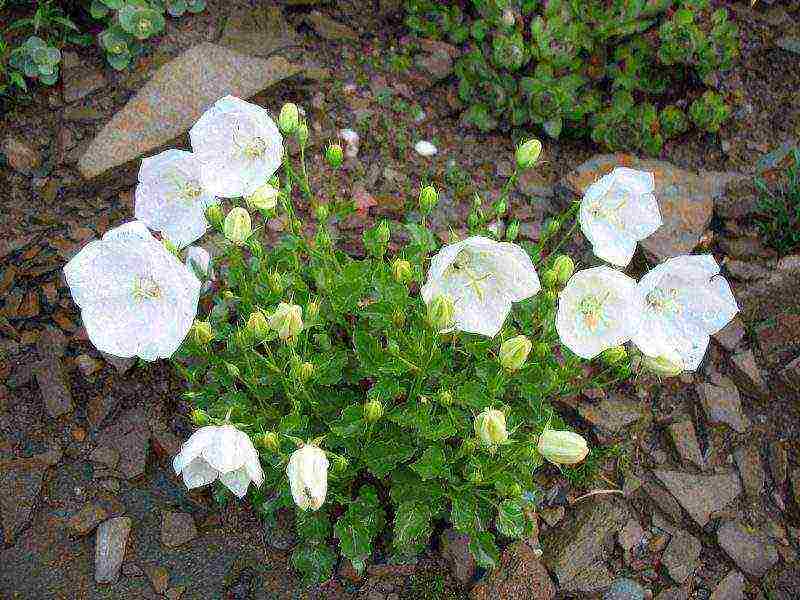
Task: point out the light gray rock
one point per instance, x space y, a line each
748 547
701 495
730 588
723 404
112 536
682 556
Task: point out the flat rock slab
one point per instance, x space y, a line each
521 577
20 485
175 97
686 199
130 435
258 31
749 548
54 387
177 529
682 556
701 495
730 588
112 536
612 414
723 404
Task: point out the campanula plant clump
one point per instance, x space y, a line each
377 396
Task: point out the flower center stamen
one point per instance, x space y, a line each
664 301
591 313
145 287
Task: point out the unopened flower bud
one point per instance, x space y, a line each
301 133
334 155
564 267
312 311
441 312
514 352
202 333
662 366
373 410
269 440
528 153
257 326
275 281
562 447
215 216
490 427
287 320
612 356
200 417
549 279
304 371
237 227
401 269
445 398
321 212
512 231
289 118
264 198
308 477
398 318
428 198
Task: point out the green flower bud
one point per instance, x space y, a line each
237 227
549 279
541 350
398 318
312 311
202 333
441 312
269 440
562 447
373 410
528 153
512 231
401 269
445 398
428 198
662 366
287 320
322 212
258 326
200 417
514 352
334 155
612 356
304 371
264 198
215 216
564 267
301 133
275 281
490 427
289 118
233 370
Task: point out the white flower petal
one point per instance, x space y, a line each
425 148
307 472
236 481
193 447
198 473
222 452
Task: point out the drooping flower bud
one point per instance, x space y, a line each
269 440
287 320
428 198
562 447
312 311
334 155
301 133
258 326
564 267
401 269
289 118
514 352
202 333
490 427
441 312
215 216
612 356
398 318
304 371
549 279
528 153
237 227
373 411
445 398
200 417
264 198
308 477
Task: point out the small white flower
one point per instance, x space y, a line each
617 211
136 298
351 142
425 148
598 309
686 301
223 453
308 477
170 197
483 278
239 146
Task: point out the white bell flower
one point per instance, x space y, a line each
308 477
170 197
618 210
425 148
239 146
136 298
686 301
223 453
599 308
483 278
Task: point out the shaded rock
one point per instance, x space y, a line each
730 336
794 478
87 518
701 495
730 588
611 415
790 374
663 500
455 549
685 440
746 270
763 299
258 31
746 248
552 516
575 552
159 578
779 338
112 536
631 535
686 199
329 29
682 555
121 365
624 589
81 81
778 462
747 375
722 404
748 460
750 549
21 155
106 456
435 65
521 577
174 98
674 593
54 386
177 529
20 482
282 534
782 584
739 200
129 435
52 344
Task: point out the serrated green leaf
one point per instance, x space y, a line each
383 456
354 539
412 524
511 519
483 548
432 464
313 526
350 423
315 562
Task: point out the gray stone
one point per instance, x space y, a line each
455 549
682 556
674 593
177 529
778 462
722 404
330 29
730 336
20 482
81 81
782 584
701 495
110 542
258 31
748 460
624 589
106 456
521 577
130 435
730 588
436 65
766 298
664 501
611 415
87 518
685 440
631 535
747 375
54 386
175 97
749 548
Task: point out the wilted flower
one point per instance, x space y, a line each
562 447
170 198
308 477
685 301
617 211
223 453
136 298
264 198
514 352
238 226
239 145
490 427
425 148
484 278
599 308
287 320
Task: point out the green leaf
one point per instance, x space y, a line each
98 9
432 464
552 127
484 550
412 524
354 540
315 562
350 423
313 526
113 4
511 519
383 456
464 513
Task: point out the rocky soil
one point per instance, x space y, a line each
698 493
